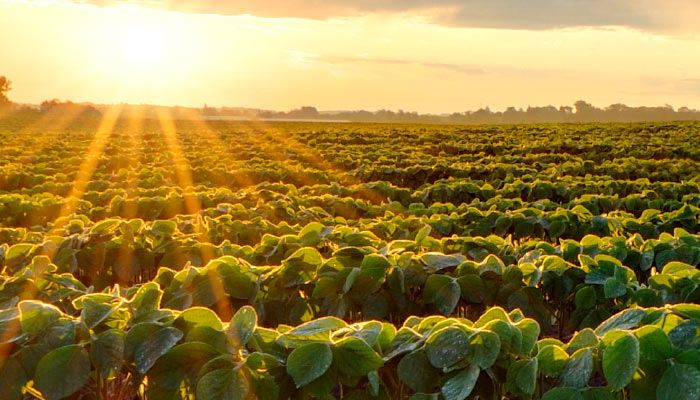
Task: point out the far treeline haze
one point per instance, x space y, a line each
580 112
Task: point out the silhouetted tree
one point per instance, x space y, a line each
5 86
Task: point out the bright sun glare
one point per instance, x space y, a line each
143 46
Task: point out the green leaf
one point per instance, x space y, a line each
578 369
522 376
687 310
460 386
675 267
552 359
653 343
686 334
309 362
562 393
354 357
614 288
163 228
182 363
582 339
492 314
154 345
625 319
422 234
530 330
317 330
12 379
147 299
107 352
598 393
484 348
679 382
416 372
350 279
492 264
447 346
224 384
585 298
443 291
242 326
197 317
35 316
62 372
440 261
620 361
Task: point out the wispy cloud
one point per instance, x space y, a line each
651 15
457 68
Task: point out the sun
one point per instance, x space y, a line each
143 46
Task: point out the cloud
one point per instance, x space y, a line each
689 85
652 15
458 68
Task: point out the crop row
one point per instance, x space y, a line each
122 342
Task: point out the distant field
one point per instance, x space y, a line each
165 259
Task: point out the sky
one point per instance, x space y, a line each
428 56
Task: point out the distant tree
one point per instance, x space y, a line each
5 86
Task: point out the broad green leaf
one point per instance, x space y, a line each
686 334
416 372
447 346
443 291
582 339
350 279
597 393
35 316
614 288
163 228
585 298
625 319
578 369
62 372
354 357
107 352
153 346
679 382
563 393
653 343
522 376
620 361
492 314
552 359
196 317
317 330
242 326
309 362
484 347
440 261
147 299
687 310
530 330
460 386
224 384
492 264
182 363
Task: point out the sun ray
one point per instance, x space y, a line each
134 139
90 162
192 204
242 180
312 157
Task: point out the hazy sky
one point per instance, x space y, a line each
428 56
